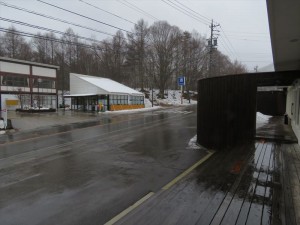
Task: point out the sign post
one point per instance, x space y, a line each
181 82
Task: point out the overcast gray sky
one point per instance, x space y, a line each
244 33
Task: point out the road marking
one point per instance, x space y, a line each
129 209
185 173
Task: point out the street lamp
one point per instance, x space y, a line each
39 80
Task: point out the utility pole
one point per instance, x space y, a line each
212 44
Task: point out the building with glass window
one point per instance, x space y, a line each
25 84
90 93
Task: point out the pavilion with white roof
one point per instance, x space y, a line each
90 93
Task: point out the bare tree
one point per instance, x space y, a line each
14 45
113 57
136 53
163 40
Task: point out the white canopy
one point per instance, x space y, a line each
91 85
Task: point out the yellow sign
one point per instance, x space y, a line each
12 102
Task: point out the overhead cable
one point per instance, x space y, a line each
26 34
78 14
184 11
47 29
107 12
226 38
53 18
132 6
191 10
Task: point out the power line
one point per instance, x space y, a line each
182 10
47 29
225 48
108 12
225 45
242 32
254 40
78 14
54 18
204 17
26 34
226 38
134 7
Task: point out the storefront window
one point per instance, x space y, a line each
118 99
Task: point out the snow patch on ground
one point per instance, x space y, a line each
261 119
193 143
172 97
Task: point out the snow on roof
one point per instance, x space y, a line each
108 85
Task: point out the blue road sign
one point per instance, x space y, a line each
181 81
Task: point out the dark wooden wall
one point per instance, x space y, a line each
226 110
271 103
227 106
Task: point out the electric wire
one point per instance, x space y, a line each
27 34
191 10
251 40
107 12
78 14
142 11
47 29
180 9
54 18
225 48
137 10
226 38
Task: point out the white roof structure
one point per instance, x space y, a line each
85 85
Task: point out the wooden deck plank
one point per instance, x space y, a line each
288 204
232 202
257 201
296 186
238 199
243 215
266 217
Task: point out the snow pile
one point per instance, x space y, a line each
261 119
148 103
193 143
172 97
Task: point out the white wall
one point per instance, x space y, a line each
293 107
43 72
14 68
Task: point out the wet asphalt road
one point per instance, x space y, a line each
88 175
